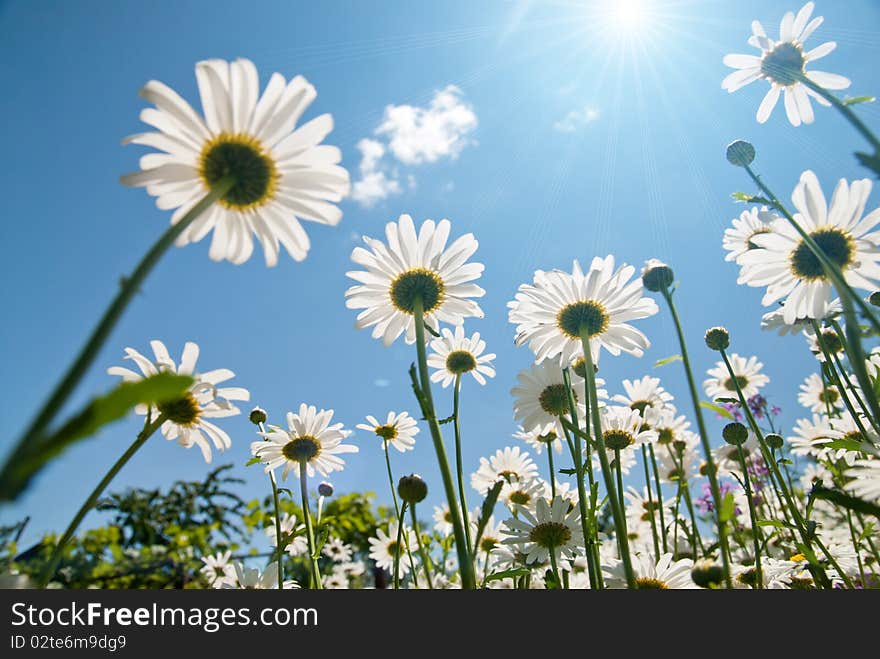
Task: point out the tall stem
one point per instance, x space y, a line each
651 504
659 498
391 482
465 565
552 470
148 429
753 517
459 468
845 110
130 286
721 526
613 497
426 560
278 548
310 533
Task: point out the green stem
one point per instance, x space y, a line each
310 533
613 497
651 504
129 287
459 468
552 471
465 565
753 517
845 110
148 429
721 526
554 566
696 538
426 561
397 551
659 498
278 548
391 482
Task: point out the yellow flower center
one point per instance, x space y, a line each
245 159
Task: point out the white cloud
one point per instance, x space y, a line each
412 135
374 183
576 119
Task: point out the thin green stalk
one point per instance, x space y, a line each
459 468
852 388
426 560
466 566
659 498
620 491
753 517
397 551
129 288
552 471
310 533
651 504
554 566
720 525
278 548
696 538
845 110
147 431
588 518
613 498
391 482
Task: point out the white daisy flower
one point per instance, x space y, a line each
551 312
792 272
681 458
539 440
774 321
750 223
748 376
524 493
727 456
811 435
399 430
830 342
186 417
337 551
627 459
509 465
669 425
336 580
412 267
639 507
247 578
443 520
540 398
818 397
217 569
281 174
455 354
384 547
492 538
782 63
865 475
664 574
554 526
296 546
845 427
310 440
623 428
643 394
815 472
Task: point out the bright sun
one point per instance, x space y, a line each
626 15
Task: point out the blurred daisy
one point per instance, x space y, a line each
819 397
455 354
247 578
681 459
399 430
830 342
336 580
774 321
336 550
865 483
790 270
669 426
627 459
310 440
492 537
552 527
282 174
218 570
551 313
524 493
298 544
750 223
727 456
639 508
540 398
384 547
845 427
539 440
664 574
642 394
748 377
622 428
509 465
783 63
810 437
412 267
186 417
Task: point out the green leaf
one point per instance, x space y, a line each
870 161
859 99
252 461
512 573
717 409
486 510
33 456
751 199
668 360
845 444
431 331
567 472
728 508
846 500
446 420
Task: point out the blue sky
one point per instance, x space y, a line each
587 138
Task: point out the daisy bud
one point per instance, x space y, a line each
774 441
705 469
874 298
657 276
740 153
412 488
707 573
325 489
717 338
258 416
735 433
